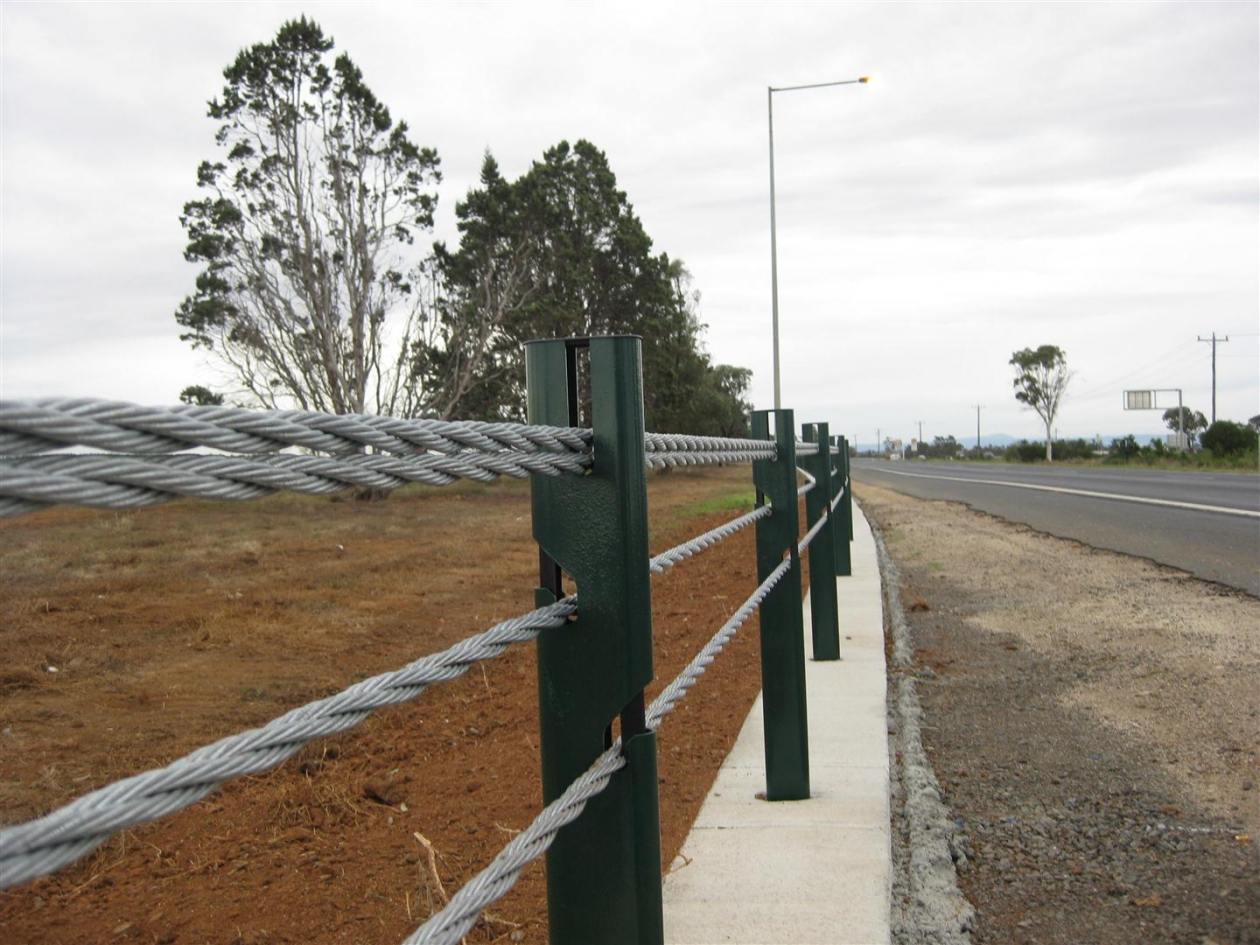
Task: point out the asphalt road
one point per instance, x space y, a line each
1204 523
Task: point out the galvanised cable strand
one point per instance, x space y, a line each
52 423
36 848
707 457
101 480
839 496
454 921
114 481
672 694
683 443
809 535
458 916
804 490
804 448
667 559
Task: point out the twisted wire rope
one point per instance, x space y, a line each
123 482
40 846
53 423
809 535
454 921
839 495
153 467
707 457
691 547
804 490
805 448
685 443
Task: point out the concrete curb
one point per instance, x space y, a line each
818 870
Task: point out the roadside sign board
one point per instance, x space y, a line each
1139 400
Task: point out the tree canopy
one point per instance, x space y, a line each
1225 438
1184 420
315 294
1041 381
307 233
560 252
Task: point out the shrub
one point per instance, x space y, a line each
1127 447
1225 438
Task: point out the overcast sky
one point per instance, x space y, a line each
1016 174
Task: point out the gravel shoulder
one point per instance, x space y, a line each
1091 720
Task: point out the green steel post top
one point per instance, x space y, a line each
603 870
782 621
824 622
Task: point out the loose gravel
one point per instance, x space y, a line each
1091 722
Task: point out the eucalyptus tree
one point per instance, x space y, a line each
1041 382
313 291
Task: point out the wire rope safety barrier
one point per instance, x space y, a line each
600 825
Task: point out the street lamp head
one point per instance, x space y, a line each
865 78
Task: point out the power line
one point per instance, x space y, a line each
1165 364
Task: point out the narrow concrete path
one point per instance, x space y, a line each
813 871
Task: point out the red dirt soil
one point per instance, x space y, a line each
130 639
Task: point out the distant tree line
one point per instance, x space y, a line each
315 291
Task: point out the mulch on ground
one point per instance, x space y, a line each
131 639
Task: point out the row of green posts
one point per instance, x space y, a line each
604 869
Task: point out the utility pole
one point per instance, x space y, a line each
1214 341
879 442
979 407
920 436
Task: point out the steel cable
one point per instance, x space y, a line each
37 848
707 457
39 425
809 535
457 918
667 559
112 481
839 496
804 490
684 443
53 423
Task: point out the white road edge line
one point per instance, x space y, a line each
1085 492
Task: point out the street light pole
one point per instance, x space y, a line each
774 249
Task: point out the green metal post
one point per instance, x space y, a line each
824 624
604 869
782 622
844 528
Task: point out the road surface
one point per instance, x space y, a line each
1204 523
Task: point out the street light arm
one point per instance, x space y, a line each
774 247
821 85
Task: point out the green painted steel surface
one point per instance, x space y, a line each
603 870
844 529
824 625
782 623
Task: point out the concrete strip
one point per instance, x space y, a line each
813 871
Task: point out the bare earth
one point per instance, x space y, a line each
130 639
1092 720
